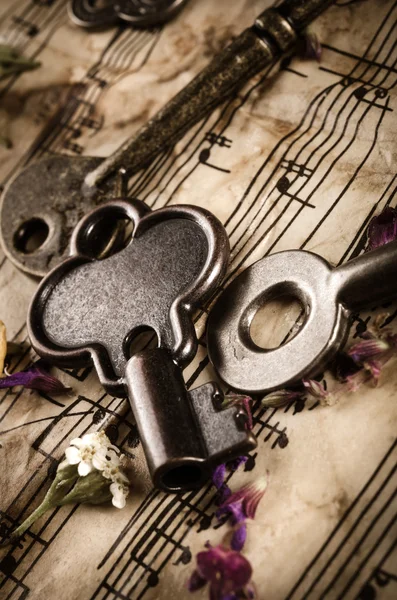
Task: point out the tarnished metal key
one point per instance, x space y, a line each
42 205
89 310
327 296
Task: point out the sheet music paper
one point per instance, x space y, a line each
301 158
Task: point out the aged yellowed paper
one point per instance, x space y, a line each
303 157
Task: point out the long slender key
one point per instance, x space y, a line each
89 310
327 295
43 204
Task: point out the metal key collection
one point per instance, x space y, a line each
89 308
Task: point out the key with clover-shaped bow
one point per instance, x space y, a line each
90 310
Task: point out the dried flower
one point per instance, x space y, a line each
367 349
244 402
34 378
234 464
373 353
219 476
382 228
312 49
240 506
317 390
282 397
227 572
244 503
90 474
343 367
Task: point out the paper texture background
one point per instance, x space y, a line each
326 527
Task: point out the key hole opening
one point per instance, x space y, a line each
106 236
31 235
140 338
277 321
182 477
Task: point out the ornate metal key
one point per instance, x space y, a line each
327 296
91 310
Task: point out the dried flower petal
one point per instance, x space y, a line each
233 465
34 378
316 389
382 228
227 572
239 537
368 349
196 582
244 503
218 475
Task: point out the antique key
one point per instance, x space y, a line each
327 296
90 310
43 203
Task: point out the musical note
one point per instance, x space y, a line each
76 148
368 592
75 131
347 81
220 140
250 464
380 92
205 155
99 80
95 124
383 578
185 557
88 105
31 28
282 440
284 182
363 90
360 92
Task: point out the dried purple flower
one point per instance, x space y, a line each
219 476
234 464
239 537
368 349
242 504
343 367
239 400
34 378
227 572
382 228
312 49
373 353
282 397
316 389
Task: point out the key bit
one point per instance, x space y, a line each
90 311
43 203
